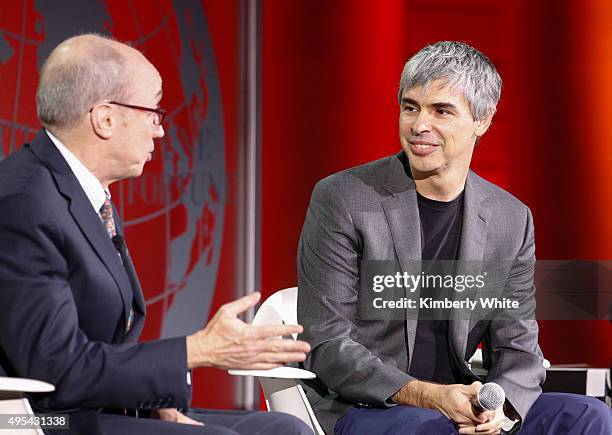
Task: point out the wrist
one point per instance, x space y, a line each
420 394
194 359
432 395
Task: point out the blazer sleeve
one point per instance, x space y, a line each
329 254
515 359
39 326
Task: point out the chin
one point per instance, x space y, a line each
137 171
423 164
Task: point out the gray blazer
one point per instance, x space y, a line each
370 213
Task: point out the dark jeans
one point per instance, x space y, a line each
216 423
551 414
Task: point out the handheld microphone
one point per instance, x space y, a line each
490 397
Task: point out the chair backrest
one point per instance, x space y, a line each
13 400
285 394
281 307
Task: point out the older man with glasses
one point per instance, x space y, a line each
71 306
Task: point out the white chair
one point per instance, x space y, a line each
13 400
281 391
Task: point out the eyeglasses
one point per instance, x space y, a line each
157 120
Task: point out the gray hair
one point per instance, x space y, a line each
71 84
462 67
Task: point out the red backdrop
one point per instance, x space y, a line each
330 76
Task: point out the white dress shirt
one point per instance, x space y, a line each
88 181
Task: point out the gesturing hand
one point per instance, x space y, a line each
228 343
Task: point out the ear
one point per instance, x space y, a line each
103 121
483 125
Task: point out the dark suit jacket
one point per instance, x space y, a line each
371 213
65 297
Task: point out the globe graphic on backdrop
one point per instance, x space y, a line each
172 214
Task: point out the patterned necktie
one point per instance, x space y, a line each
106 213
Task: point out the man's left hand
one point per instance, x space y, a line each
492 427
173 414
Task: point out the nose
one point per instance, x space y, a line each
422 124
159 131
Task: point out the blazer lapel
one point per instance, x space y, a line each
85 216
139 301
471 252
402 214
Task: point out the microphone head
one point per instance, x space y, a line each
491 396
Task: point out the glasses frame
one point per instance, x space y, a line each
158 120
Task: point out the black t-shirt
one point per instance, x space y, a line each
441 232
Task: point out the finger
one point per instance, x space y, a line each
274 346
493 431
287 345
266 360
472 430
468 410
266 331
182 418
279 357
485 416
240 305
475 387
491 426
467 430
482 415
259 366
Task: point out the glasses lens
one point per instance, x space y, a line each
159 118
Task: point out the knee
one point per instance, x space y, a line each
439 426
288 424
584 406
596 409
426 421
587 411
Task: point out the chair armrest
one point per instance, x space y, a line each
278 372
25 385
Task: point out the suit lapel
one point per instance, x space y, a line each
139 301
471 249
402 214
84 215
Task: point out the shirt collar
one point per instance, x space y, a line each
88 181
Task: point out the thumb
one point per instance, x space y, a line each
474 388
241 305
182 418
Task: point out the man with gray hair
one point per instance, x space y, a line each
71 306
383 372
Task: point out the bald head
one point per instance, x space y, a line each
79 73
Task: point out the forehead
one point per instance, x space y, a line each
146 82
437 92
